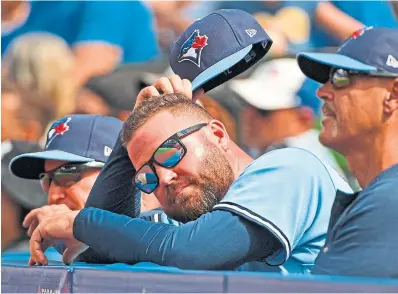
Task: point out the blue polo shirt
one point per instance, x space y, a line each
126 24
362 237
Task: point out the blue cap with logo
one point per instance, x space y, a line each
370 49
74 138
218 47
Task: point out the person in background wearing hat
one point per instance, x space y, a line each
18 197
276 113
360 94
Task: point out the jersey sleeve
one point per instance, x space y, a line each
216 240
281 192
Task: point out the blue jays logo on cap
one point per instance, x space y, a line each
355 35
192 48
58 128
360 32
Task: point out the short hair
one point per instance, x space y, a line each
219 112
176 104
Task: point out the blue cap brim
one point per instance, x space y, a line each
31 165
317 66
219 67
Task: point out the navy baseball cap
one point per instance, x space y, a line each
218 47
74 138
369 49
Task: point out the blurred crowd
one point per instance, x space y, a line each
69 57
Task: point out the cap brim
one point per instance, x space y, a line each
219 67
31 165
317 66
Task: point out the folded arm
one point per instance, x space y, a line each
217 240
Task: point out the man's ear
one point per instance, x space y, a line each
391 102
220 134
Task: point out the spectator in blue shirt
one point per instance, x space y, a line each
336 20
101 33
270 213
300 25
360 95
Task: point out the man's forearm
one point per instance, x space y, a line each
337 23
217 240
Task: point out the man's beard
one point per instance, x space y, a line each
215 178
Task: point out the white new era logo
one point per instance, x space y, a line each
251 32
107 151
391 61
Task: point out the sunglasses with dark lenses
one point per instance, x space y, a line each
340 78
68 174
167 155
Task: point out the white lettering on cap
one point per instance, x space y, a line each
107 151
251 32
391 61
228 72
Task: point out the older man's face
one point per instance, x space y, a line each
74 196
198 181
352 114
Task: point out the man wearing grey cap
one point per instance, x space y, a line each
360 94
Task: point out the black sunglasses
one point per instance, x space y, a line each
340 78
168 155
68 174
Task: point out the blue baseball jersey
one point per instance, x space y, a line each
273 218
128 25
362 238
289 192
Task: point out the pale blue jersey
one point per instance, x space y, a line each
290 192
